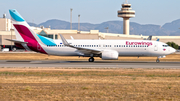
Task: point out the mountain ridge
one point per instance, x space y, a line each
168 29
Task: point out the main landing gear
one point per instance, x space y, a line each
91 59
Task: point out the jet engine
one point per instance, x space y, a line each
109 55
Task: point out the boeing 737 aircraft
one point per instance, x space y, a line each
105 49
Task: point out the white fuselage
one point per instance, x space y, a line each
123 47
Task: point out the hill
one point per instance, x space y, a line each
169 29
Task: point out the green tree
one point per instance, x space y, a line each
172 44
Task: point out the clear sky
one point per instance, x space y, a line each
93 11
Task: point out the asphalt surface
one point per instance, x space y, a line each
85 64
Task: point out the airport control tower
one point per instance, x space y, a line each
126 12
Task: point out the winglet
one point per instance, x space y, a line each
150 37
64 41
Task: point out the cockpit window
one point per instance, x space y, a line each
165 45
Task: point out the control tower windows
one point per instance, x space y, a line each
126 6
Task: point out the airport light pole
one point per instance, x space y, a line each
107 29
78 22
71 19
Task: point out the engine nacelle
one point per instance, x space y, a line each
109 55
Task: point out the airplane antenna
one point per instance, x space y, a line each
126 1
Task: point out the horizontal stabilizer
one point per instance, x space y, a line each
17 41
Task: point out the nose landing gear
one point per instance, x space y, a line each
159 58
157 61
91 59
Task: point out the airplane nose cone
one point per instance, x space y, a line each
173 50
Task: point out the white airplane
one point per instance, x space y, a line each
105 49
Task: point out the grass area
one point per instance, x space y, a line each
89 84
38 56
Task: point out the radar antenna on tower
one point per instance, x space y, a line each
126 1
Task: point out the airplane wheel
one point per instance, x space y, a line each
91 59
14 49
157 61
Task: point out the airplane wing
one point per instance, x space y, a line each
80 49
16 41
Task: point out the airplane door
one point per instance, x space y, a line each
155 46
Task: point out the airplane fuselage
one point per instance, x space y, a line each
123 47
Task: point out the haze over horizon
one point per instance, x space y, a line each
92 11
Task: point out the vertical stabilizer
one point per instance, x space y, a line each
24 32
